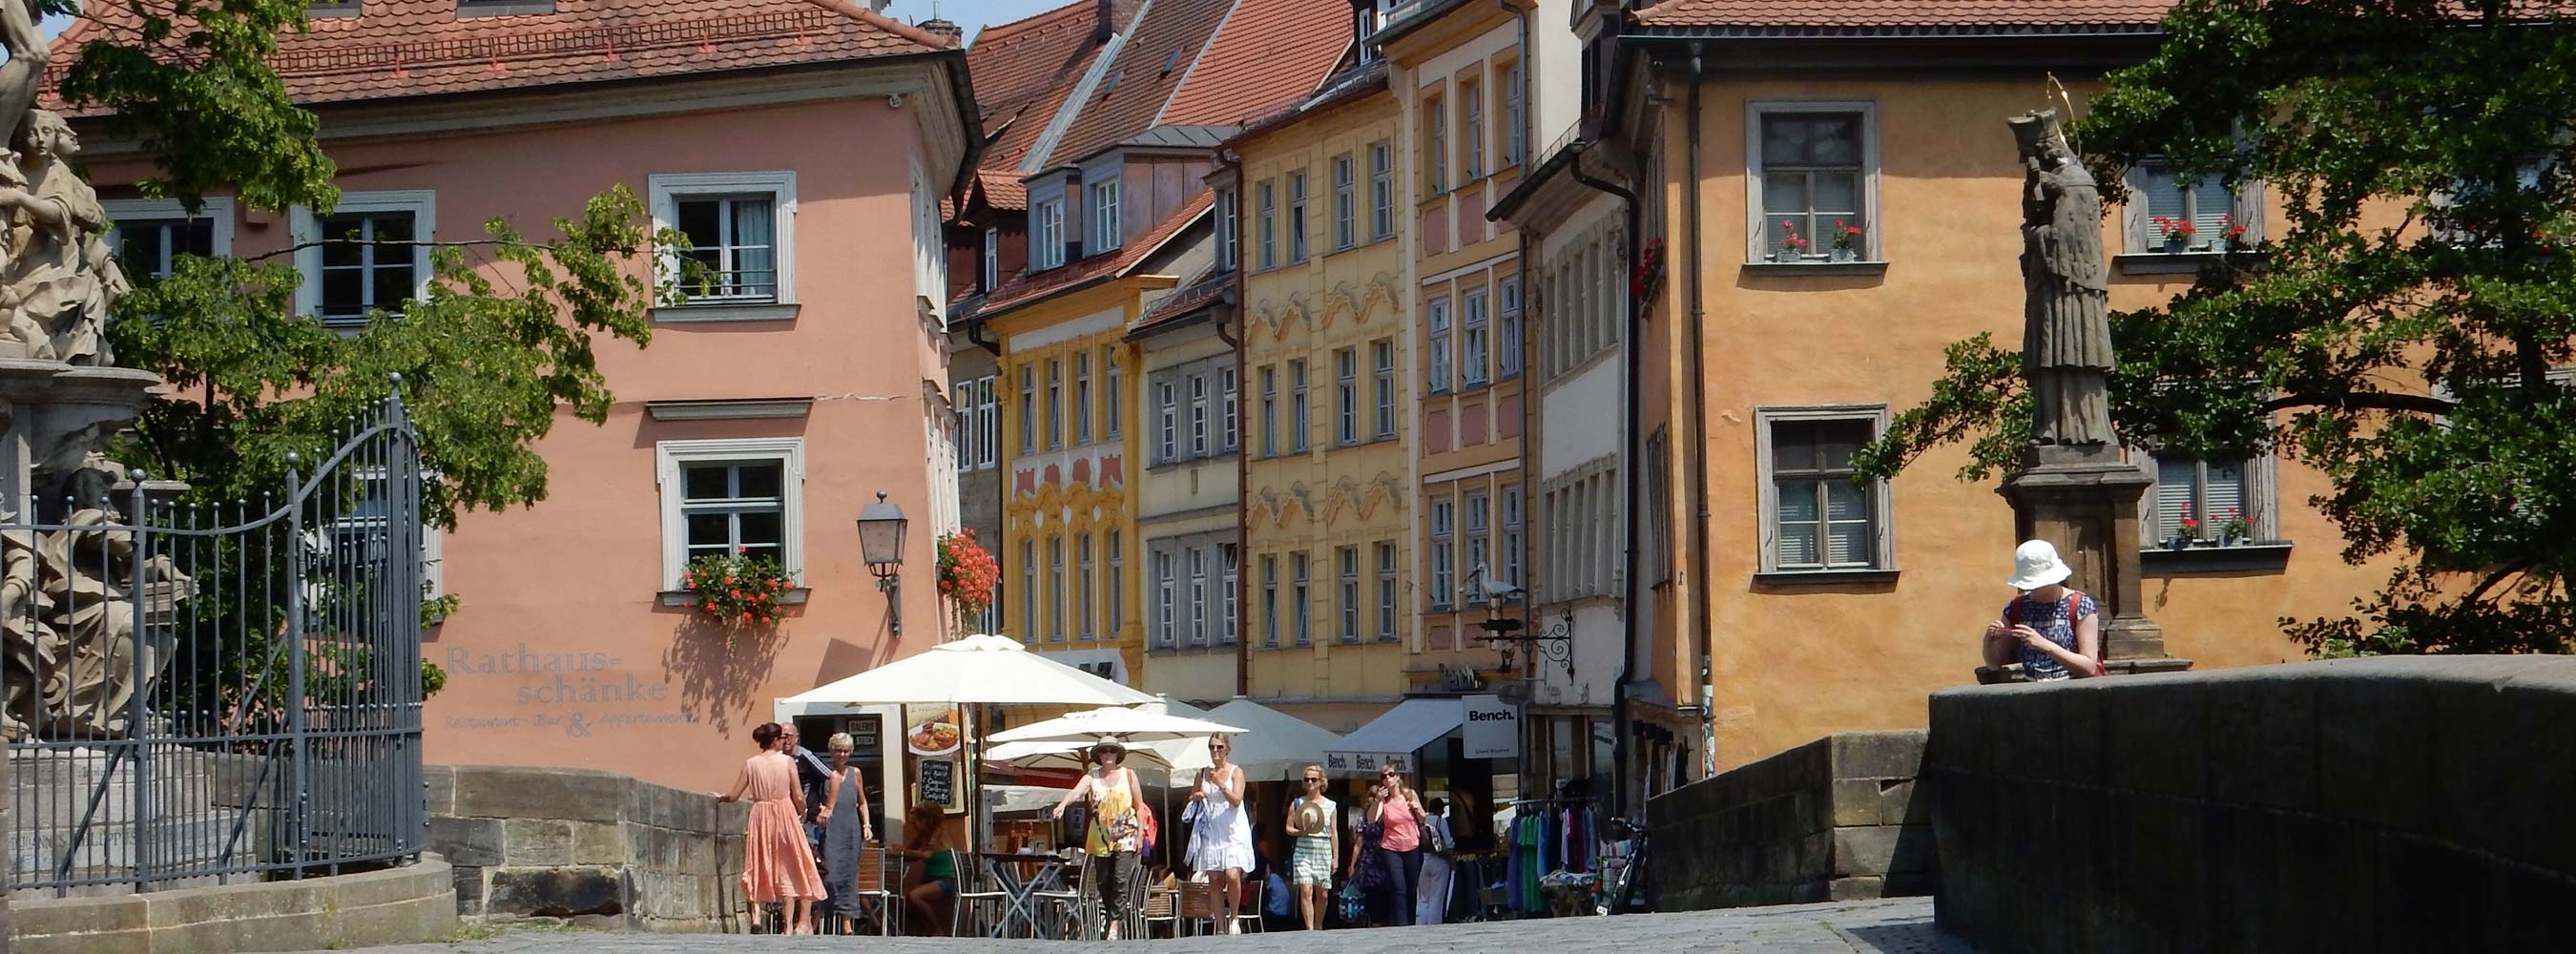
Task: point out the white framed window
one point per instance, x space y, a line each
1112 397
370 254
1229 226
1513 518
1515 117
1269 224
1471 128
1055 403
1270 600
979 427
1046 231
362 533
1105 235
1198 415
1301 593
1296 217
1346 396
731 496
1348 559
1435 146
741 229
149 235
1167 417
1028 409
1439 340
1198 576
1229 418
1443 578
1381 189
1117 584
1084 591
1383 352
1814 518
1812 164
2167 213
1166 595
1479 534
1055 588
992 259
1345 211
1028 591
1082 397
1298 427
1386 592
1471 337
1269 411
2213 494
1507 337
1230 562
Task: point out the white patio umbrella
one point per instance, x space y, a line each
1069 753
976 669
1274 745
1130 725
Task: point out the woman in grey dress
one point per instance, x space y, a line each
846 827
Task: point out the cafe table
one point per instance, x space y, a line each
1019 877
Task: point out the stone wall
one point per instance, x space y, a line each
1835 819
2379 805
409 904
595 847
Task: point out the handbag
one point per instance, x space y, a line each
1435 837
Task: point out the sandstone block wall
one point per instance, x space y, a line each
594 847
1835 819
407 904
2353 806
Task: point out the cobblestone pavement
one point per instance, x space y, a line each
1899 926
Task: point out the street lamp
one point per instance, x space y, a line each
881 528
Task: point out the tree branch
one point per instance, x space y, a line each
2480 591
2364 400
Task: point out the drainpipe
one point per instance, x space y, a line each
1627 493
975 335
1698 390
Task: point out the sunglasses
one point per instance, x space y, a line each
1312 780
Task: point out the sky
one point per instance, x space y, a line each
974 15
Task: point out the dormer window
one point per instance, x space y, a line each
331 8
501 8
1104 216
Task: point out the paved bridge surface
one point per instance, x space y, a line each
1898 926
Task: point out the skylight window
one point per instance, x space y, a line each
1171 61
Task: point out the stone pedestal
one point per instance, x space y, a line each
2085 501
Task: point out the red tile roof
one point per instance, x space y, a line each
1024 69
1035 285
1859 16
1149 68
1268 54
397 48
1003 190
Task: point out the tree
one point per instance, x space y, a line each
2398 334
504 343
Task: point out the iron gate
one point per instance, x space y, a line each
197 693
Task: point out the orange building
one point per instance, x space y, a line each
783 137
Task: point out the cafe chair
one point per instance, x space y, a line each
1162 907
975 910
874 864
1197 905
1069 906
1250 912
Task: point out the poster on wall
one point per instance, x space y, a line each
1492 728
935 736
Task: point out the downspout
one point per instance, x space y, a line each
1628 496
1698 390
975 336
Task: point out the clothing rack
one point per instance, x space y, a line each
1555 800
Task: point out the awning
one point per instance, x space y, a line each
1395 738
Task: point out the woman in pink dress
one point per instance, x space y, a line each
777 865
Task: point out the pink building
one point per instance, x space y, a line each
806 143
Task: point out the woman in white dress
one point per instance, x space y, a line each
1221 841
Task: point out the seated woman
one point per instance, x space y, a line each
930 878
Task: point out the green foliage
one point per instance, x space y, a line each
2399 332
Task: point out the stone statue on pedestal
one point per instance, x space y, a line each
72 651
2075 490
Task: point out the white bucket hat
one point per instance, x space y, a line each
2035 564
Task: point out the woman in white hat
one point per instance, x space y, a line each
2054 632
1115 834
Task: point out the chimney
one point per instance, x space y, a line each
1106 12
935 26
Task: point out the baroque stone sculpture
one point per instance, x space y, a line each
73 647
2066 331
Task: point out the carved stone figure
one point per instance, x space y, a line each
2066 333
59 268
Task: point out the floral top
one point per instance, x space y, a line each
1114 828
2051 620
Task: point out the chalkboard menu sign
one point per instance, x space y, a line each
938 781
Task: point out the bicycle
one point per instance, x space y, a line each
1626 893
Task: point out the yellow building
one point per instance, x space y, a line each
1327 516
1457 72
1189 409
1821 606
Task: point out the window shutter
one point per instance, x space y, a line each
2247 208
2210 211
2174 480
2226 493
2133 213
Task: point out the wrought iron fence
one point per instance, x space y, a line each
198 693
